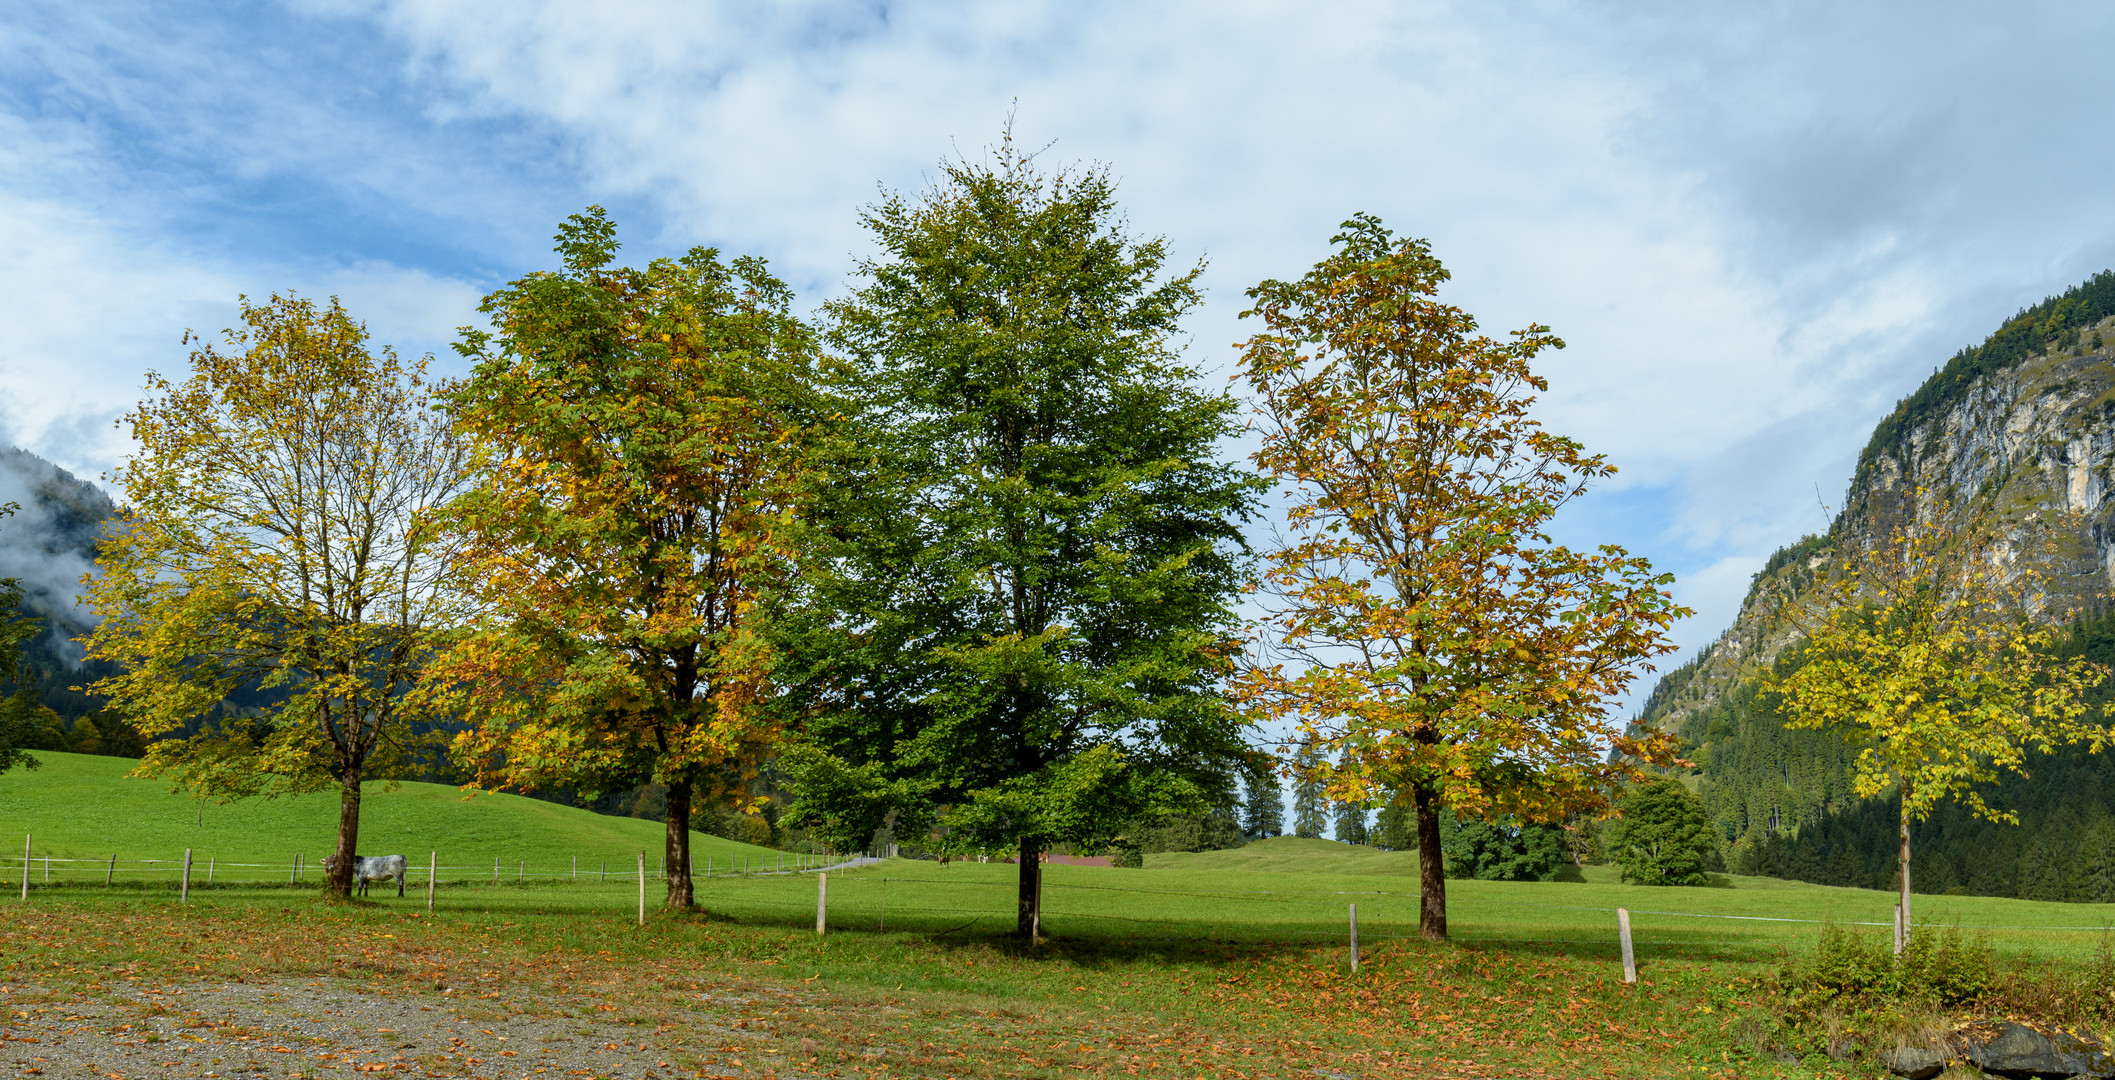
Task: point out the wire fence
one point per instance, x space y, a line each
781 888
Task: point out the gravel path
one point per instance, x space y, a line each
314 1027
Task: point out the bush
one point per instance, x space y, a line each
1664 836
1851 970
1497 852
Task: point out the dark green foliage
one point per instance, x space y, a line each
2057 320
1213 831
1664 836
1262 804
1500 852
1351 823
1395 828
1310 809
1039 545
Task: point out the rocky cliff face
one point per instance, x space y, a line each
2027 438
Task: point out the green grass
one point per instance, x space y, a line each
82 807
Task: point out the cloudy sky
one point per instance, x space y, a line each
1756 225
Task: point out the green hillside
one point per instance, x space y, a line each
82 806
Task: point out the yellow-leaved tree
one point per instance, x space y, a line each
273 545
641 434
1928 653
1426 632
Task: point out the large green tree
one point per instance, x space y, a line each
1033 605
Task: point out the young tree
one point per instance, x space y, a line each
1664 836
1263 804
1042 549
1310 808
1931 661
275 539
642 435
1426 629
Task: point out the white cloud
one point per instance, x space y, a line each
1756 228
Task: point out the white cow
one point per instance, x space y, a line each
368 868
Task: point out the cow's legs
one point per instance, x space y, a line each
400 883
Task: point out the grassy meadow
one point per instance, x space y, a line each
1220 964
82 807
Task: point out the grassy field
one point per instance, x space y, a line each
1221 964
81 807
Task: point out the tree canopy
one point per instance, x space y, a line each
1423 625
1032 600
642 438
276 538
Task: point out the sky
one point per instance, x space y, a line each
1757 226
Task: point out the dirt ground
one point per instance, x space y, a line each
314 1027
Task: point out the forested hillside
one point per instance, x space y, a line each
48 544
2019 430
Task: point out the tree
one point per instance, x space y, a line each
18 720
1263 804
1424 627
1930 661
643 436
275 539
1351 823
1032 608
1664 836
1497 851
1395 828
1309 814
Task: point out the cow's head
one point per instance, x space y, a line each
330 862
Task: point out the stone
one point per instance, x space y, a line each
2019 1052
1915 1062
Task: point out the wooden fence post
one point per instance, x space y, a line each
576 868
27 840
495 871
184 891
211 862
433 865
1354 939
111 874
521 872
822 902
1630 960
642 887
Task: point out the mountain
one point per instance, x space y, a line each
2020 428
49 544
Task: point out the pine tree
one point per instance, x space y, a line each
1309 817
1395 828
1263 805
1351 823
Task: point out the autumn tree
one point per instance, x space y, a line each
640 436
1032 604
274 539
1927 655
1423 626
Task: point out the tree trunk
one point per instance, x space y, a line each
340 880
678 853
1031 886
1905 861
1431 866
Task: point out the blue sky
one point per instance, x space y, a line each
1756 225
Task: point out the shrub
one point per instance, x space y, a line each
1855 971
1664 836
1499 852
